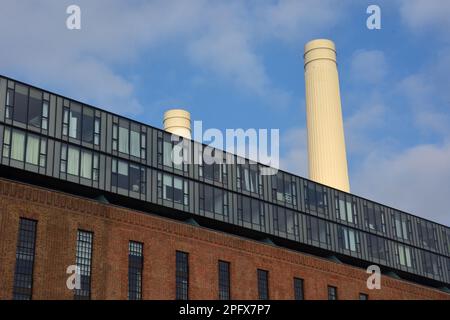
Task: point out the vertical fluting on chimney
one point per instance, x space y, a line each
327 160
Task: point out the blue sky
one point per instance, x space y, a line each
238 64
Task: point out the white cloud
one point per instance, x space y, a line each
287 19
360 126
427 95
369 66
427 17
219 37
295 156
415 180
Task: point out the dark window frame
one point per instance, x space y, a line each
299 289
135 269
332 293
224 280
182 276
118 178
263 284
83 260
363 296
171 195
25 258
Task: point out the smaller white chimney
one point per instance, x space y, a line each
178 121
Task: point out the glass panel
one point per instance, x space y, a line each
122 174
218 201
342 212
256 212
75 121
18 145
45 109
246 209
178 190
35 108
32 149
123 140
349 212
135 144
88 125
167 151
86 165
135 178
167 187
208 198
290 222
73 160
20 103
6 142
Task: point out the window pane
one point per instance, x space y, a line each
135 144
123 140
178 190
32 149
35 108
6 142
298 289
246 209
135 266
224 280
208 197
75 121
73 161
167 187
256 212
86 165
182 275
88 125
332 293
263 284
20 103
25 250
167 152
135 178
218 201
122 175
84 263
18 145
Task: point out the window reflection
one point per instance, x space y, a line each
284 189
374 217
128 176
250 210
318 230
404 255
347 238
173 188
213 200
315 198
25 147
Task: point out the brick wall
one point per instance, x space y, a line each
60 215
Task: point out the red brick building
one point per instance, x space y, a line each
130 223
60 215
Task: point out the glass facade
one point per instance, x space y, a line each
53 136
23 275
